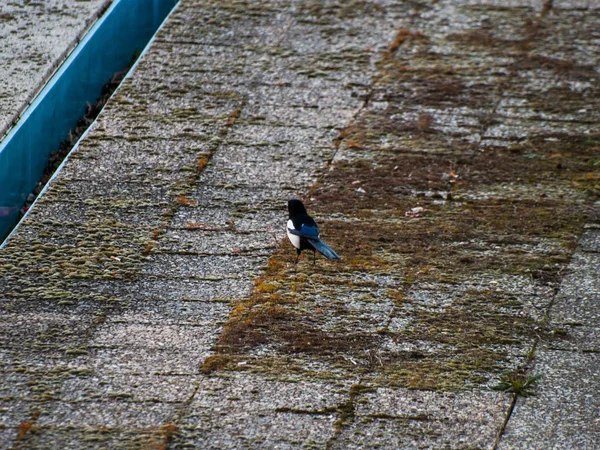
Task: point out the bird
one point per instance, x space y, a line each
303 232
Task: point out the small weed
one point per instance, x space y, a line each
591 142
518 382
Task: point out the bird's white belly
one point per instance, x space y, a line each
295 240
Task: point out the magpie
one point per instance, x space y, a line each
303 232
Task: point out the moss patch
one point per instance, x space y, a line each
450 249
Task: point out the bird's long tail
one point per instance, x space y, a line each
323 249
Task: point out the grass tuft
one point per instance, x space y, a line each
518 382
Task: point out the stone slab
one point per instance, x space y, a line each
36 37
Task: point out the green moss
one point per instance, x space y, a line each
442 280
75 351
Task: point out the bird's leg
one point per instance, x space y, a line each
298 251
314 257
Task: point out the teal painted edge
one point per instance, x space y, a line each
126 28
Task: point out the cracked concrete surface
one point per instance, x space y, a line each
150 301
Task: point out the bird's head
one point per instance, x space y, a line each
296 208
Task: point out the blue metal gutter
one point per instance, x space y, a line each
125 29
